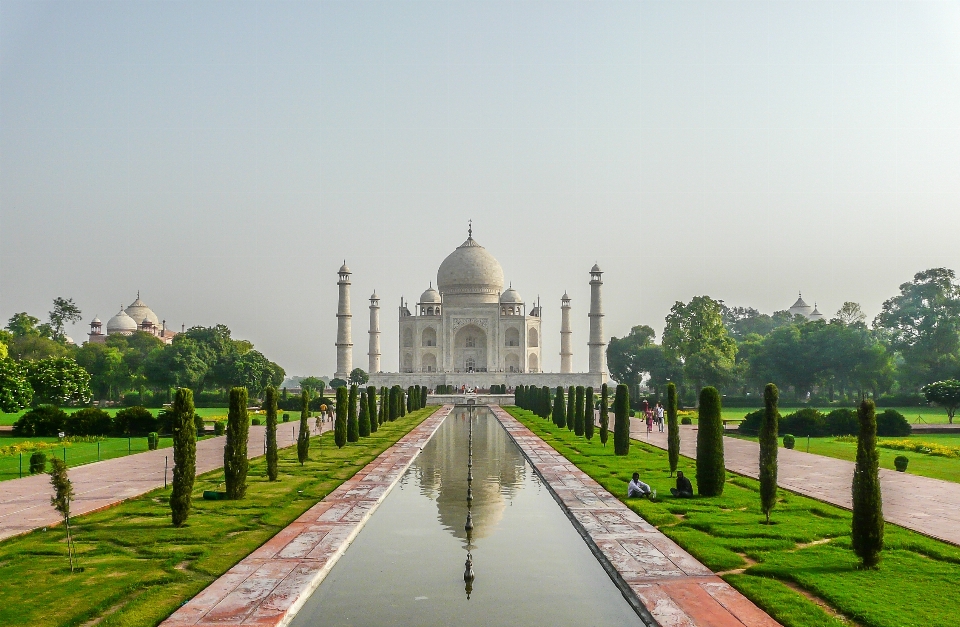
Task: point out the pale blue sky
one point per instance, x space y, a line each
223 158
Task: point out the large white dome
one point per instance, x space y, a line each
470 269
139 311
121 323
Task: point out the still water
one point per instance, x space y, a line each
406 565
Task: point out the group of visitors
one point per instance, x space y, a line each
639 489
653 416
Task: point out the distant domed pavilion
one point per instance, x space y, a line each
136 317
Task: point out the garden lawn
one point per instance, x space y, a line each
808 546
208 413
75 453
929 415
935 467
138 568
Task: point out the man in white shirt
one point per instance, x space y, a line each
637 488
660 416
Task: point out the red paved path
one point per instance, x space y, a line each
929 506
675 588
25 503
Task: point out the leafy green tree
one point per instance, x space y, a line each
621 424
235 463
851 315
711 472
184 455
559 415
314 384
372 408
673 428
33 347
15 390
340 424
22 324
60 381
631 357
944 393
303 437
337 383
604 414
62 495
922 323
768 450
108 374
273 458
353 426
695 334
254 371
358 376
64 311
867 533
744 321
363 425
579 412
588 416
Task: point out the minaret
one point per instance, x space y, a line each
598 348
344 332
566 334
374 352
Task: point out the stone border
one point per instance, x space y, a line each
270 585
666 585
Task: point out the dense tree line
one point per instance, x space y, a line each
914 341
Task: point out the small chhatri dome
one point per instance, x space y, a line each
816 315
139 311
470 269
95 320
430 295
121 323
511 297
565 296
596 268
374 296
800 308
344 269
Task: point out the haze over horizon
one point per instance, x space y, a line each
225 158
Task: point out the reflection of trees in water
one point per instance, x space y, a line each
498 471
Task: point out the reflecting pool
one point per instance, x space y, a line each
406 566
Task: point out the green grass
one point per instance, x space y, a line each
75 454
945 468
808 545
929 415
205 412
137 564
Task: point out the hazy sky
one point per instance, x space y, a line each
224 158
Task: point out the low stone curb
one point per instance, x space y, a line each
268 587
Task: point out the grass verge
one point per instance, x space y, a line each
138 568
807 547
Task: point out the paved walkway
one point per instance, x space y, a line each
676 589
268 586
25 503
930 506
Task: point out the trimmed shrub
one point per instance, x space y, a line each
423 395
184 455
545 402
340 424
235 463
38 463
135 421
571 414
604 414
219 427
588 416
273 457
286 417
900 462
789 441
255 422
363 420
353 423
673 429
394 403
842 421
153 440
711 473
686 420
867 528
372 410
805 422
621 424
750 425
88 421
197 423
559 413
578 412
768 450
303 436
892 423
45 420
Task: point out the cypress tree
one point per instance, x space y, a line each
558 410
571 407
768 450
621 425
303 438
402 405
673 428
340 423
546 407
270 400
353 423
235 463
394 403
184 455
364 418
711 473
409 398
518 396
588 416
384 404
867 500
423 396
604 414
578 415
372 408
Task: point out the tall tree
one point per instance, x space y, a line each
64 311
184 455
578 412
768 450
340 424
604 414
353 423
358 376
235 463
59 381
571 415
273 458
15 390
695 334
622 354
711 472
946 394
303 437
559 413
588 418
867 533
673 428
372 408
62 495
621 425
363 419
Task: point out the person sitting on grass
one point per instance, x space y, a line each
684 488
637 488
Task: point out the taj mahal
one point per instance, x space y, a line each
469 331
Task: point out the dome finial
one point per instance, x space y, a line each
469 229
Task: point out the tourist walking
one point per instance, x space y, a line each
659 416
648 417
